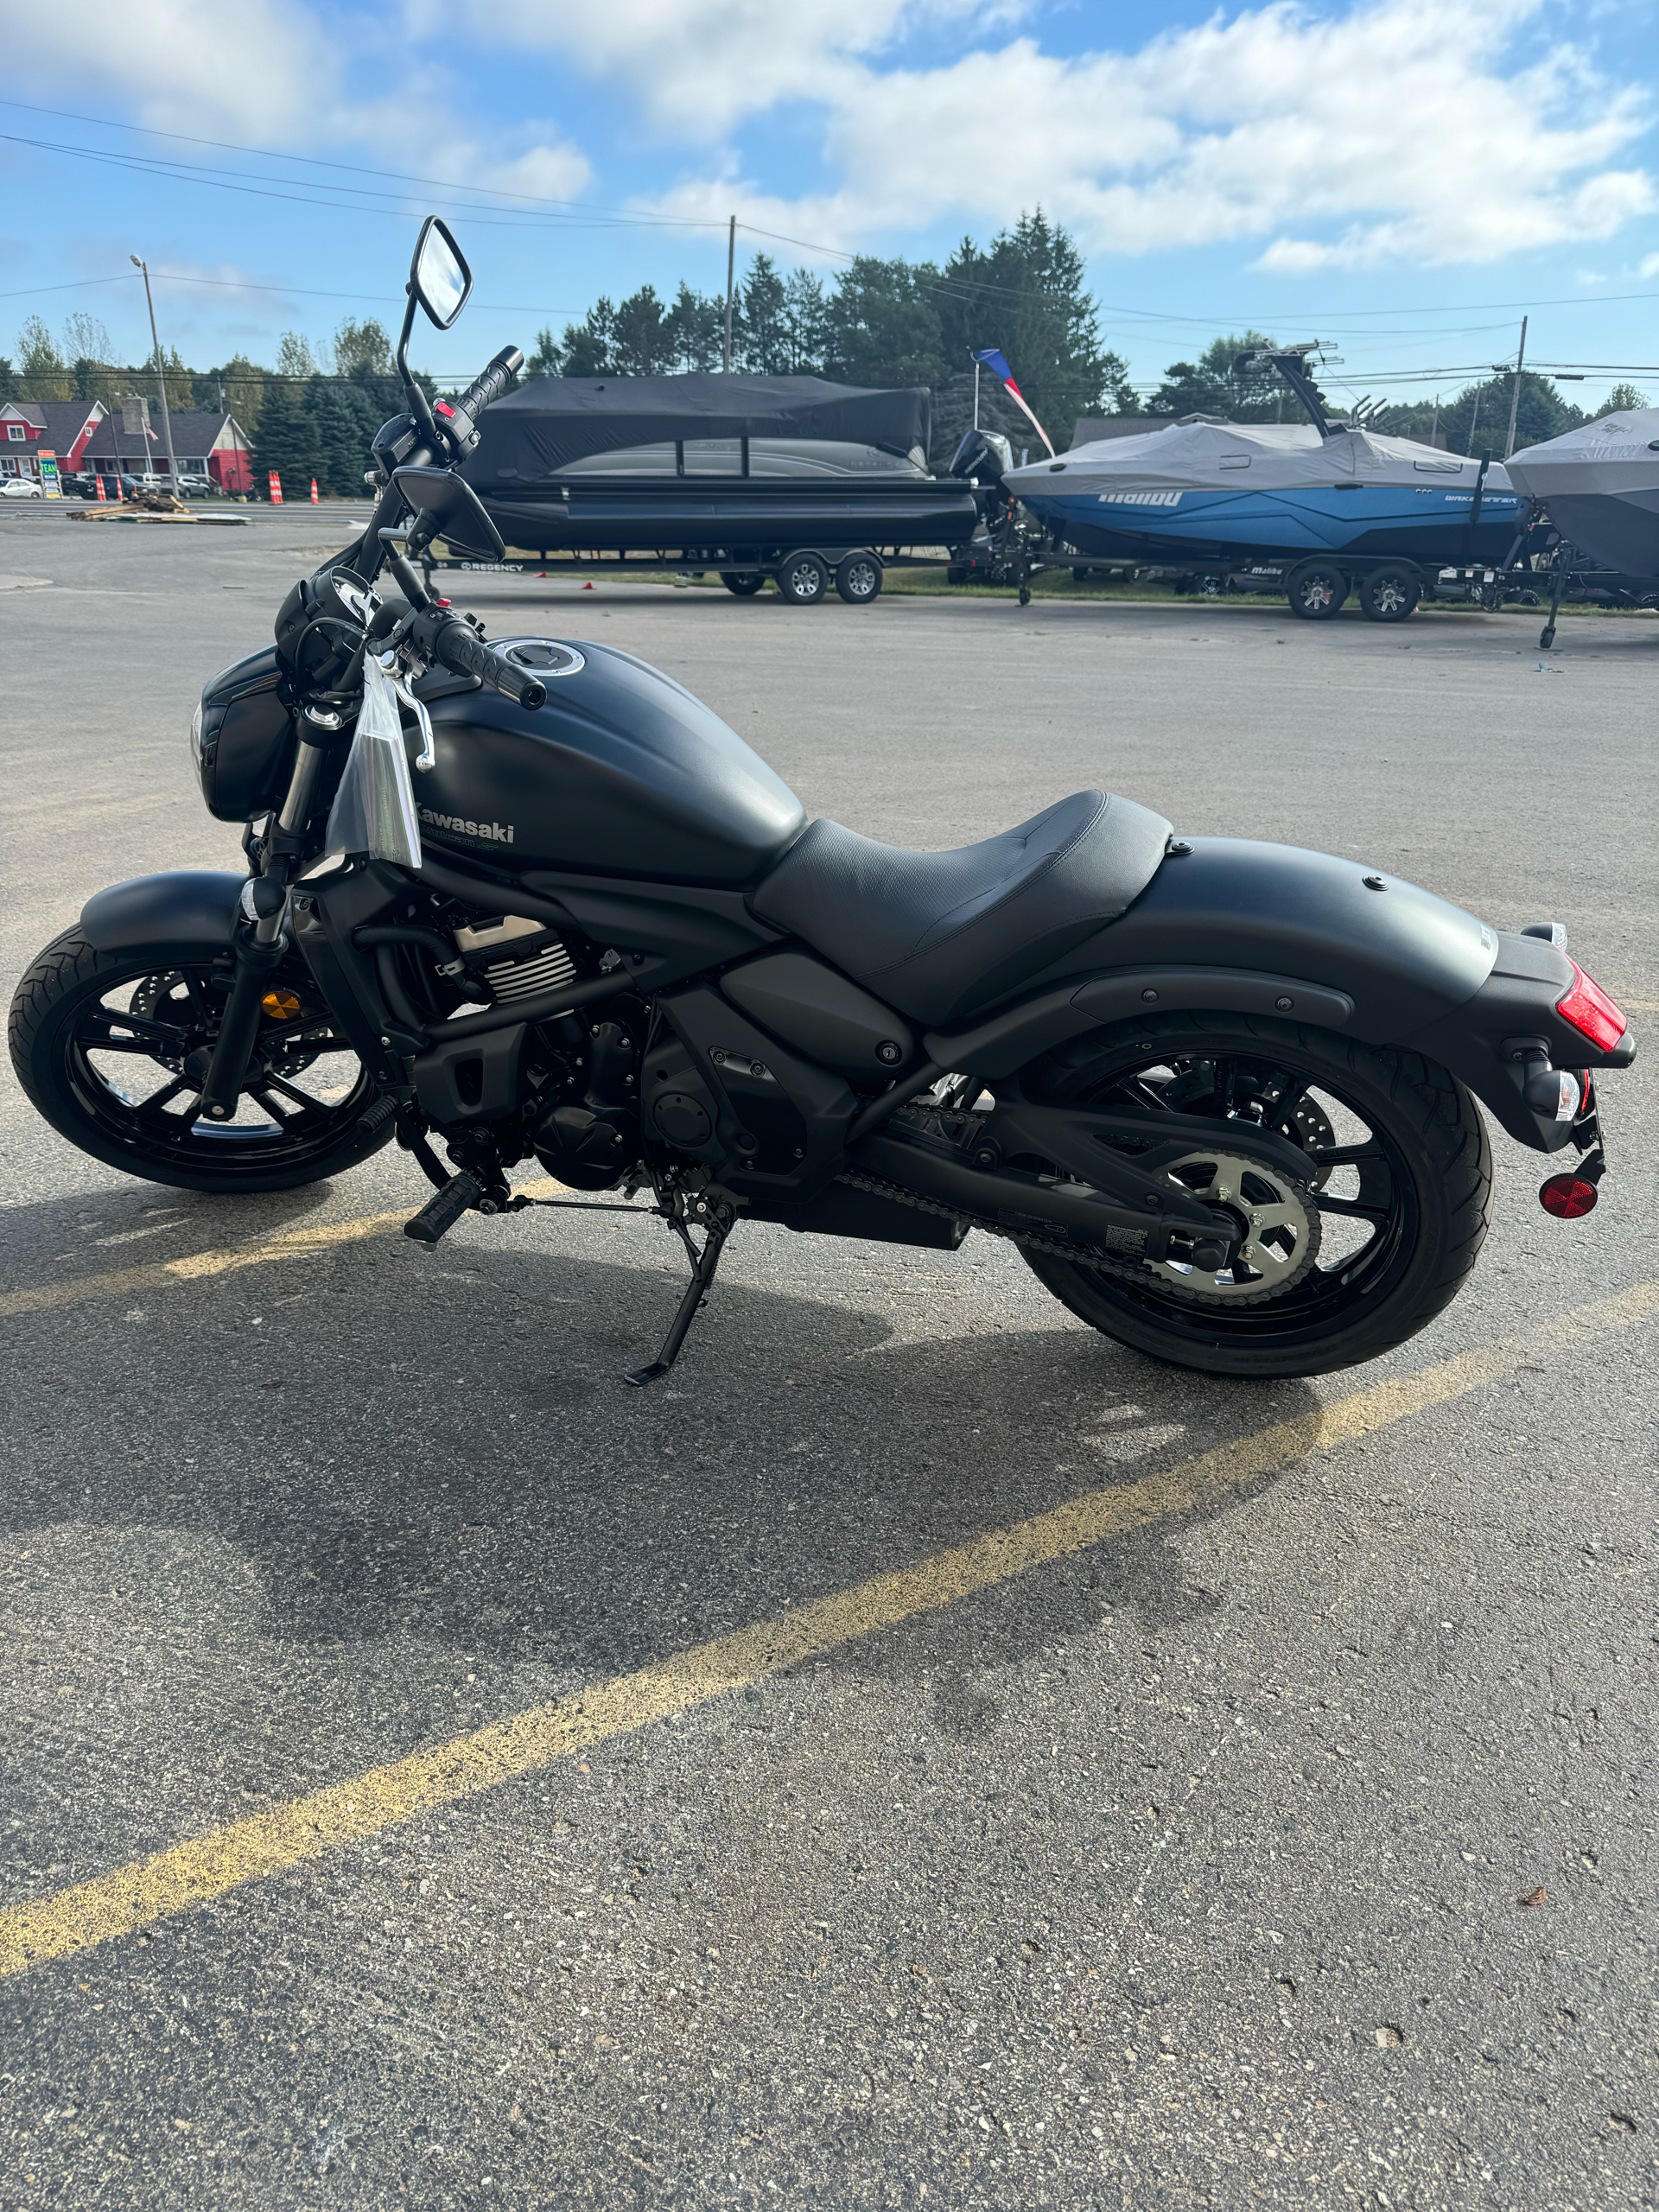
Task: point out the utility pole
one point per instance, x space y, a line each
1514 393
1434 427
161 376
731 269
976 393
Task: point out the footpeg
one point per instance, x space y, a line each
444 1208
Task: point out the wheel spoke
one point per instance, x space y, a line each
1347 1155
310 1109
97 1025
153 1109
1356 1207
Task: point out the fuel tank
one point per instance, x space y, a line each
622 772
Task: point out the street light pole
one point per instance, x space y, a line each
161 376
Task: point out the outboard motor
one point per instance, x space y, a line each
982 457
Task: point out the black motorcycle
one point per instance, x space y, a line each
1221 1095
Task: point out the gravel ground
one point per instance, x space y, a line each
1182 1870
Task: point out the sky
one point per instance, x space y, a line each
1400 179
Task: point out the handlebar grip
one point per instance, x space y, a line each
461 650
458 419
494 381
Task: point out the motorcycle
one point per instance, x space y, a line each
529 897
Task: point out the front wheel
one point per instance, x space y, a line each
1339 1264
1317 591
113 1050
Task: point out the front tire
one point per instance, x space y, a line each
112 1049
1317 591
1399 1169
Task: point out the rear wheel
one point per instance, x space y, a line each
741 587
1316 591
1344 1262
858 579
1391 594
803 579
113 1050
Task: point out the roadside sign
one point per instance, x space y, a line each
275 489
50 483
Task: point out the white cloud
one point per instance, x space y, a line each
1390 132
701 66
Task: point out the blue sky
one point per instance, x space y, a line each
1402 177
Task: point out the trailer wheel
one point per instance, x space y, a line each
859 579
803 579
1389 594
741 587
1316 591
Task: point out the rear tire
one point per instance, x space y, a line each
741 587
1390 594
1423 1190
68 1045
858 579
1316 591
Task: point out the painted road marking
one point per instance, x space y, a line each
209 1867
289 1244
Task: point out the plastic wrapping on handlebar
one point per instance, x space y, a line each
460 650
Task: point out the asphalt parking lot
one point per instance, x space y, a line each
923 1754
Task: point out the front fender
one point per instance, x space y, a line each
192 906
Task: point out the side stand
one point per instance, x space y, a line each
704 1264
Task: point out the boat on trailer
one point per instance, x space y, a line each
1600 485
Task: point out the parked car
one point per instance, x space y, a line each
79 484
194 485
21 487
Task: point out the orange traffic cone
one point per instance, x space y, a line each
276 488
314 491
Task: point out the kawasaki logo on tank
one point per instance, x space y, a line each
498 833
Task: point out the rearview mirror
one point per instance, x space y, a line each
451 510
438 275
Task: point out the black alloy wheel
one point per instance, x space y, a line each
113 1049
1390 594
803 579
858 579
1317 591
1339 1264
740 586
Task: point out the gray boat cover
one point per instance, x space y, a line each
1616 452
550 422
1201 453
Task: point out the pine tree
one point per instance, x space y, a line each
589 345
1025 295
286 439
805 323
696 328
883 323
642 345
1623 399
764 337
545 359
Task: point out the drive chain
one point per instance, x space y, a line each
1035 1240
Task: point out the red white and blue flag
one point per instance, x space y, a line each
997 364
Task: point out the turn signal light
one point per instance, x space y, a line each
1568 1197
1591 1012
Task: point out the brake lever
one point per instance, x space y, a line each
427 755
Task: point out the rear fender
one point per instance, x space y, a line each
1490 1043
187 907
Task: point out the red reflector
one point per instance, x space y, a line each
1569 1198
1591 1012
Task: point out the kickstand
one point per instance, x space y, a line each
704 1264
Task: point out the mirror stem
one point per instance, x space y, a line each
418 406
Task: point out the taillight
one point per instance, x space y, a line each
1591 1012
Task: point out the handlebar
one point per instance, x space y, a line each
458 419
458 647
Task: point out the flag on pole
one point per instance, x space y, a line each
997 364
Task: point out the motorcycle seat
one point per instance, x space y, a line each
943 935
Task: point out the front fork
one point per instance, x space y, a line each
261 938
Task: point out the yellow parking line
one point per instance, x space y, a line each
208 1867
163 1275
